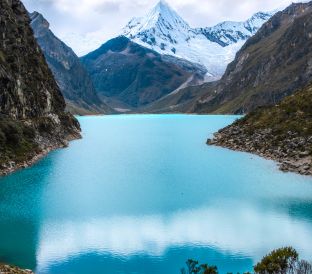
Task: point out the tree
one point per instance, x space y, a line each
279 261
206 269
193 268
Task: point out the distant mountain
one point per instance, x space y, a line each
164 31
70 74
231 32
271 65
130 76
33 120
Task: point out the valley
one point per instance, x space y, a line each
105 165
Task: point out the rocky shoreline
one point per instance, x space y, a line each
292 152
12 166
8 269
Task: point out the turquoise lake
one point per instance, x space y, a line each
141 194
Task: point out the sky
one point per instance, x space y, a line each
84 25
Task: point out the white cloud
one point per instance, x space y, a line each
242 230
86 24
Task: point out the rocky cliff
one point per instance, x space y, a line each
271 65
70 74
282 133
32 109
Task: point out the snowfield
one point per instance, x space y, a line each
164 31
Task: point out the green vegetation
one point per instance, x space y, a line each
16 141
280 261
194 268
293 114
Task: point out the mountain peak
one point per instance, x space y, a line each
38 19
162 21
164 14
162 5
165 31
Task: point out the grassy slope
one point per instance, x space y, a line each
270 66
293 114
282 133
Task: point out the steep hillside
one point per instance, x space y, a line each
271 65
282 132
32 109
136 76
178 101
69 73
165 31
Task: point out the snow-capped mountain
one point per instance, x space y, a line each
229 32
164 31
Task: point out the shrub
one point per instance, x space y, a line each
194 268
279 261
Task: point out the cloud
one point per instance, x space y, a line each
243 230
86 24
108 7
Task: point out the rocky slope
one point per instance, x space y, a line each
32 109
70 74
271 65
282 133
178 101
166 32
135 76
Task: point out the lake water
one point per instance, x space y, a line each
144 193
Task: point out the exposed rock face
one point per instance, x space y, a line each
282 133
7 269
136 76
32 116
70 74
271 65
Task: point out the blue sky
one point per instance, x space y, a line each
86 24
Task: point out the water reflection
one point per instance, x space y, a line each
242 230
142 194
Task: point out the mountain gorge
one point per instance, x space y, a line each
32 109
70 74
166 32
271 65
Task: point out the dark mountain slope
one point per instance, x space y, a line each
32 108
69 73
136 76
282 132
271 65
179 101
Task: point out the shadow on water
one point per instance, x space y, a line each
142 263
20 211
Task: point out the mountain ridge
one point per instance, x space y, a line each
70 74
125 71
33 120
166 32
271 65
